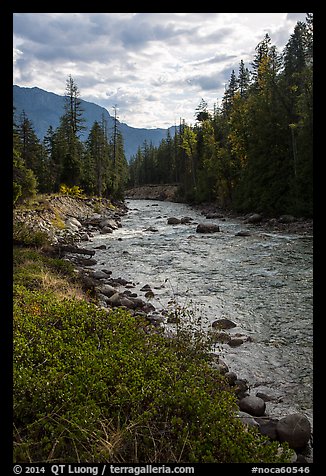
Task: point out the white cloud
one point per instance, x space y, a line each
155 66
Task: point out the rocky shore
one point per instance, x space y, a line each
284 223
70 223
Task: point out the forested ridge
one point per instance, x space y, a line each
251 152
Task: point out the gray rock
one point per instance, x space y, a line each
146 288
73 222
269 395
173 221
108 223
85 261
106 271
137 302
115 300
185 220
255 218
108 290
70 226
247 419
207 228
128 303
235 341
221 336
267 427
148 307
98 275
243 233
106 229
223 324
295 429
253 405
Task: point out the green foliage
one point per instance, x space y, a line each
24 235
17 192
29 264
74 191
24 180
98 386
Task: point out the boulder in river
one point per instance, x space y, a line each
267 426
108 290
235 341
242 233
253 405
174 221
185 220
295 429
254 218
223 323
207 228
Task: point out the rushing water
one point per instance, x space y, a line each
262 282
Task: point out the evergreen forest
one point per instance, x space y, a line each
252 151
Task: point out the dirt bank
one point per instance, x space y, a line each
154 192
58 215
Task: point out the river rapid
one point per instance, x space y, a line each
262 282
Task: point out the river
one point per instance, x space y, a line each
262 282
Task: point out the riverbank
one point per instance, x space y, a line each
163 192
169 192
111 298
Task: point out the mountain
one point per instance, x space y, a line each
44 108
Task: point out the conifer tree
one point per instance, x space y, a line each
24 180
243 79
68 141
97 163
229 93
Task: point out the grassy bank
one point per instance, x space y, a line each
94 385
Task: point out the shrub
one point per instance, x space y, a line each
98 386
24 235
74 191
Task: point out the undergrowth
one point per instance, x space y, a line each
92 385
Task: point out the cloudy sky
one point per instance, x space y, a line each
156 67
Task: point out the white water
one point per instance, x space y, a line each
262 282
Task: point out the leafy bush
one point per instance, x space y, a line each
98 386
74 191
24 180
